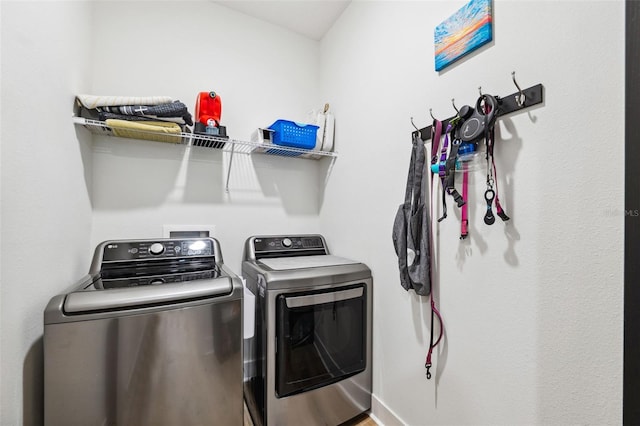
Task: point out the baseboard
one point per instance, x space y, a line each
383 415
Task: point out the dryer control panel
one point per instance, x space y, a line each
285 246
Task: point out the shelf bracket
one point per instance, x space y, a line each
226 186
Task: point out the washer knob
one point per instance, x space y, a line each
287 242
156 248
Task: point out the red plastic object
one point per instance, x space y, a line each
208 107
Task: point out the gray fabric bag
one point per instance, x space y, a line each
411 227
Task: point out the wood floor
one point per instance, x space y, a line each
247 416
361 420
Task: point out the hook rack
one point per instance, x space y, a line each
518 101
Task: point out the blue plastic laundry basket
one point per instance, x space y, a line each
296 135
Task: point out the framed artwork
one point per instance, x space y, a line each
463 32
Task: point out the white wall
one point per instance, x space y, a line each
261 72
46 213
533 308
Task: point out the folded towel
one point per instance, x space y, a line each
92 101
148 130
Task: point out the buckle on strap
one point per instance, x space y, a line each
457 197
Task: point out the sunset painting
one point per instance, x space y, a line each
464 31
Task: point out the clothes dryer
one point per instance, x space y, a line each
309 359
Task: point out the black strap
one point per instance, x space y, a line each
414 178
444 204
407 192
450 174
417 163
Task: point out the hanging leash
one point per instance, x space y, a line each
436 135
499 210
492 176
489 194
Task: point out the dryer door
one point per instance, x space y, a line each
320 338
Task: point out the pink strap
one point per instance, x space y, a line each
464 222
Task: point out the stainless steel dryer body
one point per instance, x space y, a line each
152 336
309 360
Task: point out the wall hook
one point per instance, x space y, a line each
414 125
431 113
480 91
453 102
521 97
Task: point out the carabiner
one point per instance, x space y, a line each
490 182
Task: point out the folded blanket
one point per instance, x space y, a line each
148 130
92 101
103 116
172 109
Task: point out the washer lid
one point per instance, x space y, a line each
135 297
301 262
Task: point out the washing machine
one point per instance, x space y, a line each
308 360
151 336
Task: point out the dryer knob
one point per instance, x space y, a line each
287 242
156 248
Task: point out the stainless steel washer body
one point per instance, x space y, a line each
309 359
152 336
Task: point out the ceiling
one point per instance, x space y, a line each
310 18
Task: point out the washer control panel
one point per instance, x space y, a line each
288 246
138 281
160 249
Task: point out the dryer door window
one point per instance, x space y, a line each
320 338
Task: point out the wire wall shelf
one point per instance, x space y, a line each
204 141
200 140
